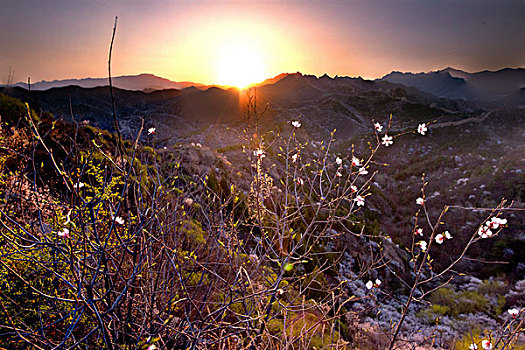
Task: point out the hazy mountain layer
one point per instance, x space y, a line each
324 104
141 82
499 87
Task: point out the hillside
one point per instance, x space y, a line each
347 104
229 219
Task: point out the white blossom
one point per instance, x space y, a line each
296 124
387 140
378 127
119 220
360 201
420 201
151 130
513 312
63 233
422 129
363 171
484 232
495 222
259 153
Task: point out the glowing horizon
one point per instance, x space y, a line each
200 42
240 66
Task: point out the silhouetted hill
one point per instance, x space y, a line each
500 86
142 82
440 83
277 78
346 104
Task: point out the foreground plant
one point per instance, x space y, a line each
136 249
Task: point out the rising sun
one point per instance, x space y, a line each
240 65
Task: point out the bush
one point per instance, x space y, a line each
126 250
452 303
304 331
432 315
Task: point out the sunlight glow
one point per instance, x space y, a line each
229 50
240 65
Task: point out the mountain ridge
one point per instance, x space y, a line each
342 103
501 86
139 82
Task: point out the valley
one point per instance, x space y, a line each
201 148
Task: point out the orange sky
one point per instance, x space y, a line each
184 40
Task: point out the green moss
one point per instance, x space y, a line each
149 150
212 182
194 231
471 302
305 331
454 303
493 287
13 110
498 308
316 284
443 296
230 148
431 315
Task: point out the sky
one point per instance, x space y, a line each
213 41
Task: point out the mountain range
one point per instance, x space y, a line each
471 155
185 110
346 104
142 82
503 86
486 88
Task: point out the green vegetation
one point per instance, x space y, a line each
109 248
448 302
305 331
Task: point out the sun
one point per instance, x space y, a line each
240 66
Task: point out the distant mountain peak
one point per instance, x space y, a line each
279 77
141 82
488 86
